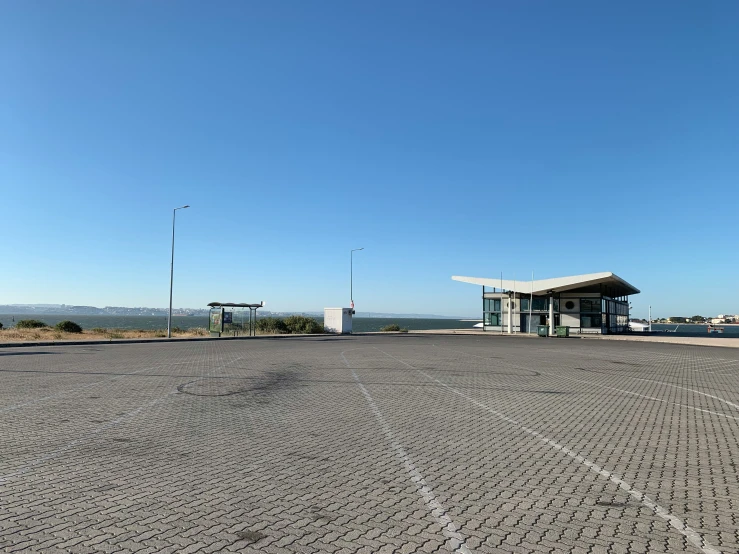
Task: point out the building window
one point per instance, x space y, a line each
492 319
539 304
491 305
591 305
590 321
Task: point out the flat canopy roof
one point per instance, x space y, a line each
590 282
232 305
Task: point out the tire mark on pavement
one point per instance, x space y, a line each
76 389
62 449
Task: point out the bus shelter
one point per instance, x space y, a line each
232 319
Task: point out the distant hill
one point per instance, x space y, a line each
53 309
67 309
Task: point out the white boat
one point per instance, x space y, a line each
635 326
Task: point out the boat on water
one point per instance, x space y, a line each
639 327
713 329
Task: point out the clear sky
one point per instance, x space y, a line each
443 137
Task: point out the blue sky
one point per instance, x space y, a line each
444 138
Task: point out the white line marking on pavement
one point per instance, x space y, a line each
676 523
456 540
688 389
612 388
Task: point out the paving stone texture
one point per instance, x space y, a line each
403 443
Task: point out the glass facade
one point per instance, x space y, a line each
593 314
539 304
590 321
492 318
590 305
616 314
491 312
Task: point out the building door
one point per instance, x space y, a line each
535 321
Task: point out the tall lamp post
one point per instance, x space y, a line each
171 274
351 274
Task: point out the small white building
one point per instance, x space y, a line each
338 320
591 303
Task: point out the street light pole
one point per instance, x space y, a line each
171 274
351 274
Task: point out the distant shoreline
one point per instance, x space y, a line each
701 324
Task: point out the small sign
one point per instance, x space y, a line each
228 317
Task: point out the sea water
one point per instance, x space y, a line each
360 324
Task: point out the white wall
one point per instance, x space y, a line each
572 320
516 314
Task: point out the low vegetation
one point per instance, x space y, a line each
30 324
393 328
291 325
271 326
301 325
68 327
52 334
35 330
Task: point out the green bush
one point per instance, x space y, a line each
271 326
68 327
300 325
393 327
1 325
30 324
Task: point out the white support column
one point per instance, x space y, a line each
510 314
551 314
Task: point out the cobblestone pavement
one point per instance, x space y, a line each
402 443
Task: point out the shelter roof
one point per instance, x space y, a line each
590 282
232 305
